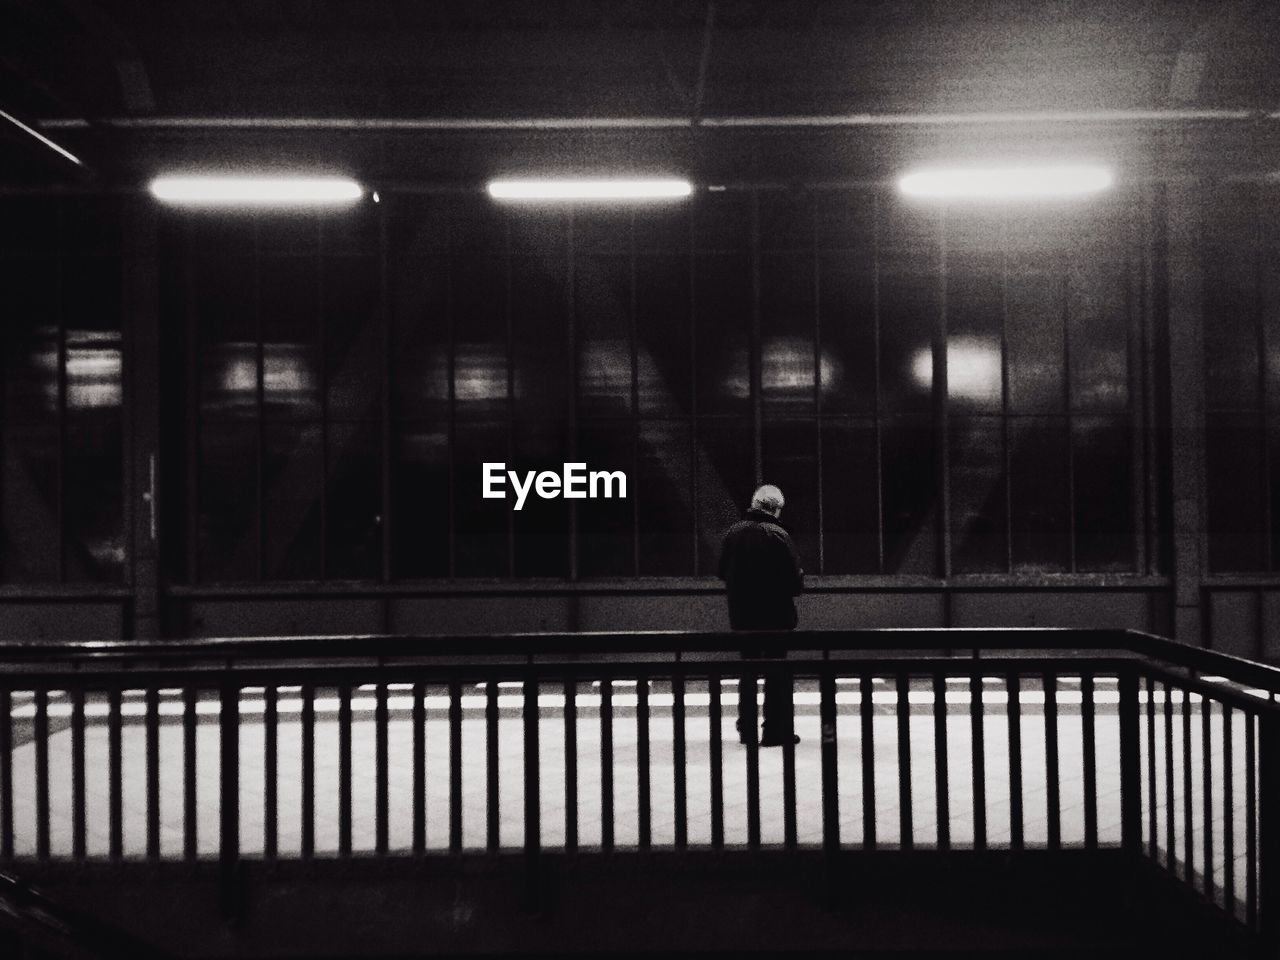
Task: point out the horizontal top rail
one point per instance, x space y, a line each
968 642
328 675
532 644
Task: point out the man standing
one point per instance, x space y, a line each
762 572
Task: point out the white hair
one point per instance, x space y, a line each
767 498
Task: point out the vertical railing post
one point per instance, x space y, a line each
830 776
532 794
1130 762
229 804
1269 830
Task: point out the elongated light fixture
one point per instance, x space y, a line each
1005 183
591 190
269 191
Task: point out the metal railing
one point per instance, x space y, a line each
305 748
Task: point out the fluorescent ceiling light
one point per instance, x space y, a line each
277 191
1012 183
555 189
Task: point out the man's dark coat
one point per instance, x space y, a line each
761 568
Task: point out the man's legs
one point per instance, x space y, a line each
748 716
779 707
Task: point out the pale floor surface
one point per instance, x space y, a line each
625 780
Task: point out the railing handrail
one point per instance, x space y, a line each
963 640
535 642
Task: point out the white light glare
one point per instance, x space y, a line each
589 189
1013 183
256 191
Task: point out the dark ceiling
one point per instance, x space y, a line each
108 78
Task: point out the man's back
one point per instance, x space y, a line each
762 571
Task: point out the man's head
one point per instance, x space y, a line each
768 499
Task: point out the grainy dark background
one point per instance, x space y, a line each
316 391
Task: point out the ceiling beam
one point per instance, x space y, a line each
49 147
829 121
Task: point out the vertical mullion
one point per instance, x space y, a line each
717 769
678 765
344 770
633 336
260 440
1090 762
455 765
940 406
1053 805
308 843
77 775
270 771
868 745
115 775
1259 313
1066 399
1150 287
642 761
755 359
1006 462
491 765
191 451
190 718
693 393
384 325
451 360
508 270
60 493
381 722
817 376
978 745
606 762
419 770
1136 347
875 309
1014 709
906 837
942 797
571 321
323 370
153 772
570 762
40 734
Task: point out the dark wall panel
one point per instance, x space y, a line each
834 611
1234 621
61 620
265 618
687 611
1093 608
479 614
